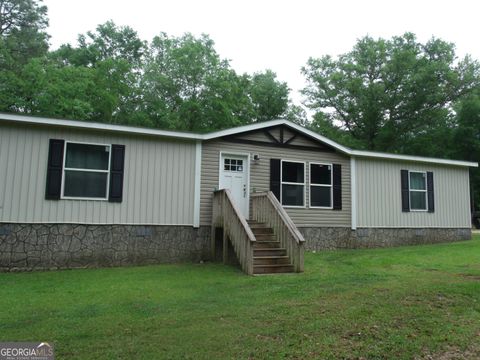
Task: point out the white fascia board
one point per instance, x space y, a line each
97 126
241 129
379 155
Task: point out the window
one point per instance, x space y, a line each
235 165
86 171
321 189
293 183
418 190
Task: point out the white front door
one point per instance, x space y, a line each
234 176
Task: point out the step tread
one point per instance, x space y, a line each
272 265
270 257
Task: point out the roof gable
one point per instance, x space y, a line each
280 136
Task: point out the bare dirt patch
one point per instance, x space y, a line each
454 353
470 276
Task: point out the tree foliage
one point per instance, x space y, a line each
111 75
269 96
23 26
187 85
388 94
466 138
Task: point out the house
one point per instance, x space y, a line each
79 194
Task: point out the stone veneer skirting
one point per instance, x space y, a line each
66 246
344 238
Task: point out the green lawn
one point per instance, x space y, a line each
373 304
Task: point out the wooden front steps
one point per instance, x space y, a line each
268 256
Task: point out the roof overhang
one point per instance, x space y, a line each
34 120
218 134
421 159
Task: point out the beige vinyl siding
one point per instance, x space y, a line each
260 180
379 196
158 179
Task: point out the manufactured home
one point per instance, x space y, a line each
80 194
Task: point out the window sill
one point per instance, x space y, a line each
82 198
321 207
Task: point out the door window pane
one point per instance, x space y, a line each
235 165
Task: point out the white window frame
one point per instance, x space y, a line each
417 190
304 184
321 185
63 197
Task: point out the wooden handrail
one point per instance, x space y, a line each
239 214
267 209
228 216
283 214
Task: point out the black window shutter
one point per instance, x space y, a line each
117 163
430 196
54 169
405 191
337 187
275 177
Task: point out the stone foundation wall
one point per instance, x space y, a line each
345 238
65 246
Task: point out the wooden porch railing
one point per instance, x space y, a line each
227 215
266 208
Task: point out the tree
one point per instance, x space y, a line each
187 86
466 138
387 94
269 96
22 38
296 114
22 29
17 15
44 88
115 55
108 42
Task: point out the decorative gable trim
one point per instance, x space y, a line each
284 139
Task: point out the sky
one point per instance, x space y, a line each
278 35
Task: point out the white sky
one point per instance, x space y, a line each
279 35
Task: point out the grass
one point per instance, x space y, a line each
397 303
